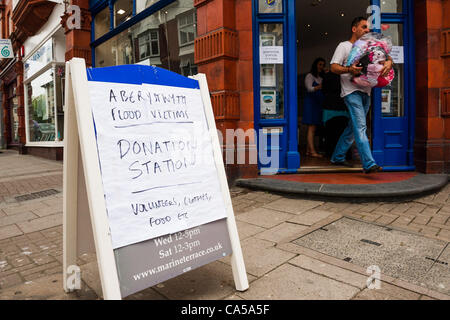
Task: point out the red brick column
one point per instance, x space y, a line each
223 51
432 145
78 40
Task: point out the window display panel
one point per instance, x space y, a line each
164 39
271 70
270 6
392 97
40 101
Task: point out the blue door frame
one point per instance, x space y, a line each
393 138
287 147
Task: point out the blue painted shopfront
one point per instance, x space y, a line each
276 110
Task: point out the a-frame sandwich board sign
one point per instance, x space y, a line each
144 179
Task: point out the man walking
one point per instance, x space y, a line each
357 100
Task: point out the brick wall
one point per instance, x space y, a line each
432 145
224 52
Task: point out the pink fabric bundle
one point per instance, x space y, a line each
370 52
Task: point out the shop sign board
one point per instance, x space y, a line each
153 173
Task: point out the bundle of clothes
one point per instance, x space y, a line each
370 52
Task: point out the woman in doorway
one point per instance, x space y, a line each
312 107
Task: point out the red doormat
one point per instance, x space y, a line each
345 178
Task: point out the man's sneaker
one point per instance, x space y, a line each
373 169
342 164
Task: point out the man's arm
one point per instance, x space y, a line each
338 69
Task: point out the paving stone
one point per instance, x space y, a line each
9 231
439 219
48 211
147 294
400 208
444 234
371 217
330 271
386 220
431 231
437 279
19 261
280 232
9 249
52 233
24 208
294 206
9 281
387 292
246 230
402 220
288 282
264 217
41 223
310 217
426 298
42 288
370 207
42 259
40 268
211 282
34 236
260 256
20 217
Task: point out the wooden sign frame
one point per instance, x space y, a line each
80 140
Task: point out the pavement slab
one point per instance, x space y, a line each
289 282
280 232
31 244
330 271
265 218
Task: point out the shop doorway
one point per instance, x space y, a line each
321 26
287 37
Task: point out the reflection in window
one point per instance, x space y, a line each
144 4
164 39
101 23
148 44
123 11
186 28
41 107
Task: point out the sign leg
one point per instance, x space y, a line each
70 194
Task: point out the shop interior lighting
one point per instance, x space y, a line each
120 11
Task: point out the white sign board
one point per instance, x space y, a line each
153 176
157 162
6 50
397 54
271 55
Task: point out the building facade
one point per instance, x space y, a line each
255 54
